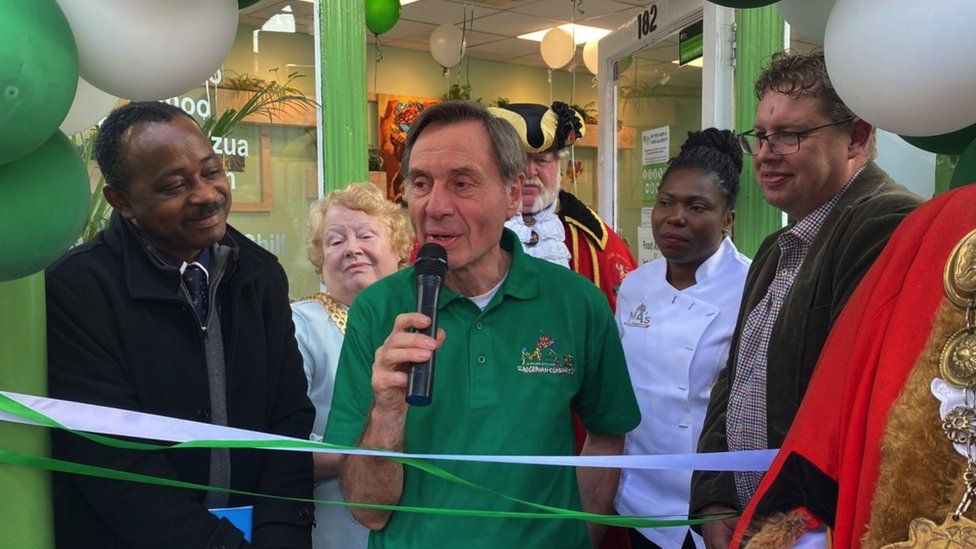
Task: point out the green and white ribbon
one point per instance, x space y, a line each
94 422
89 418
554 513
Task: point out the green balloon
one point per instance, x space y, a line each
743 3
948 143
241 4
381 15
38 74
43 204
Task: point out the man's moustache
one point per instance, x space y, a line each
207 211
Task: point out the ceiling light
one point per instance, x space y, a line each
697 62
582 33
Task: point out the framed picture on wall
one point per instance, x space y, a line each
249 170
396 113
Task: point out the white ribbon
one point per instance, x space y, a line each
126 423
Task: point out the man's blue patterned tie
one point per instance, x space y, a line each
196 283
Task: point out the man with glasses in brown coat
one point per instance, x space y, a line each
813 159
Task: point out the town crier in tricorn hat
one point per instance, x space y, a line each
553 224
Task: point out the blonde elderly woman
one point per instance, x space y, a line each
355 237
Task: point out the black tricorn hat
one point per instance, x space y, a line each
542 128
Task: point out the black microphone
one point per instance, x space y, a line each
429 270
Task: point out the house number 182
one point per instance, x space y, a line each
646 21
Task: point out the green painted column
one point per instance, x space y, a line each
342 55
25 503
759 34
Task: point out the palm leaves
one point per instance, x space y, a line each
270 98
98 208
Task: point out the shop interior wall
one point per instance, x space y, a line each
413 72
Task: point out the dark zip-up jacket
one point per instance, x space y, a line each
120 334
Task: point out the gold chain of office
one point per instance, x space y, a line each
338 312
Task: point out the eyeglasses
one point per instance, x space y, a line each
779 142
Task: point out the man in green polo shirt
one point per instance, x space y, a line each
521 343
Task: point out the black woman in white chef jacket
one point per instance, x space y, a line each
676 315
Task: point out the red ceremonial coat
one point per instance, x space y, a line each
597 252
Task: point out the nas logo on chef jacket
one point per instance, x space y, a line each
545 359
639 318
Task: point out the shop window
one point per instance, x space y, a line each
270 155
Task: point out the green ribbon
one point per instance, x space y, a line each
545 511
50 464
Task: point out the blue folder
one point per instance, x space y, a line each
240 517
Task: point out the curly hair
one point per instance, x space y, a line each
796 74
716 153
108 143
366 198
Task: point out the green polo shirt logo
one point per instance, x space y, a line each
545 359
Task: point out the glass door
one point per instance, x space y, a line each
658 103
661 85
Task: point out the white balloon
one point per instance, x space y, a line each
447 45
807 17
905 66
590 59
150 49
557 47
89 106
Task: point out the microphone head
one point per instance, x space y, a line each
431 260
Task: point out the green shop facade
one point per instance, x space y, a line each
283 163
